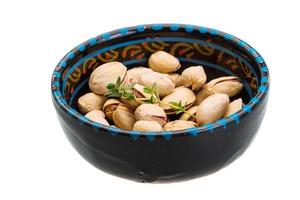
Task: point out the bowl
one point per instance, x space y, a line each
167 156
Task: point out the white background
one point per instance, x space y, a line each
37 161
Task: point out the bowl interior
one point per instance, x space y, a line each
219 53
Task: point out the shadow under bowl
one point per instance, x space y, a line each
168 156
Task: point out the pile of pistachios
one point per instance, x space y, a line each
157 98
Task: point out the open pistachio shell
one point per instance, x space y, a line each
151 112
90 101
110 106
163 62
144 125
212 108
229 85
139 93
187 116
234 107
105 74
178 125
196 75
123 118
163 82
180 94
97 116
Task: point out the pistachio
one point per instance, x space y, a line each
105 74
90 101
123 117
163 82
196 75
110 106
97 116
144 125
212 108
229 85
151 112
140 96
132 104
187 116
234 107
179 80
180 94
139 93
178 125
134 74
163 62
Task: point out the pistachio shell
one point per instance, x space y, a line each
97 116
179 125
187 115
203 94
132 104
234 107
123 117
151 112
144 125
110 106
139 93
212 108
229 85
180 94
163 62
140 96
163 82
105 74
90 101
134 73
179 80
196 75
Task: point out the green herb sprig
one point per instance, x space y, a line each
119 90
153 91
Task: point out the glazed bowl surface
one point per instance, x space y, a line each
167 156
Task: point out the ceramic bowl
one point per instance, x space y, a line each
166 156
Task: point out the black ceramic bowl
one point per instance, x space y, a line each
168 156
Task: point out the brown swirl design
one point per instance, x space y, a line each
178 49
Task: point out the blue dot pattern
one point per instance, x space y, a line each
113 131
228 36
189 28
123 31
71 55
223 122
167 135
140 28
247 108
203 30
210 127
81 47
150 135
92 41
174 27
106 36
213 31
192 131
134 134
157 27
235 117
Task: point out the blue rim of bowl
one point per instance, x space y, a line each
235 118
